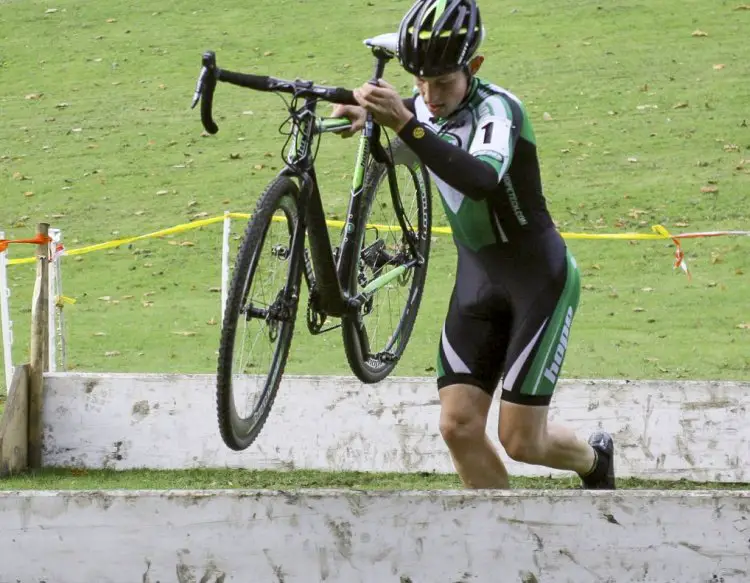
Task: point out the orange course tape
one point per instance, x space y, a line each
38 240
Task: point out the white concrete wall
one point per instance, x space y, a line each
350 537
688 429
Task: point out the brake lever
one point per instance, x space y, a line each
209 68
199 87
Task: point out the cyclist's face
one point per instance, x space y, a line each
443 94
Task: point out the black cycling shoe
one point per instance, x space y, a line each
602 477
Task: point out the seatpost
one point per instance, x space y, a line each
381 59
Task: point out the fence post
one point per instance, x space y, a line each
5 322
51 300
39 353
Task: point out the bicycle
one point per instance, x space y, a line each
346 281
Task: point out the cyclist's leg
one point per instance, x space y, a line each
537 350
466 381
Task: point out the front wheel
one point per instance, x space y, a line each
393 243
259 315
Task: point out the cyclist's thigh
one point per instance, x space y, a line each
539 338
472 348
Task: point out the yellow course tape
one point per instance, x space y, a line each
659 233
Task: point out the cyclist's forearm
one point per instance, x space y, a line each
470 176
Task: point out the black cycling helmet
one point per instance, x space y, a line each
439 36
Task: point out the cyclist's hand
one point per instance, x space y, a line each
385 104
355 114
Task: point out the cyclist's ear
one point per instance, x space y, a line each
475 64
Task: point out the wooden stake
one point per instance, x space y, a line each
39 357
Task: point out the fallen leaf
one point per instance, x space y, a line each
632 160
731 148
267 53
28 194
105 298
200 215
111 20
639 309
546 116
739 271
647 289
127 297
699 33
187 244
236 156
681 224
716 258
33 96
211 322
100 334
742 7
147 304
718 67
161 192
53 10
214 289
258 167
744 326
112 353
709 189
185 333
681 105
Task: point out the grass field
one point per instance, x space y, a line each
647 123
75 479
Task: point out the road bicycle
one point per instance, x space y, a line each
374 264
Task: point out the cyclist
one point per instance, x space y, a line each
517 285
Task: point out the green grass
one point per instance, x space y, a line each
126 85
74 479
97 139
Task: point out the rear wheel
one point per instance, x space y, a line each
393 239
259 316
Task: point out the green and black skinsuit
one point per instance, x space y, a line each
517 286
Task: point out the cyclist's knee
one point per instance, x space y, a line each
522 449
522 431
463 414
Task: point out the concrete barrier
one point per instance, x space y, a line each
350 537
688 429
